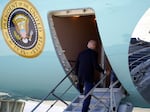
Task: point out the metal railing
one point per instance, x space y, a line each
52 93
91 91
58 99
112 107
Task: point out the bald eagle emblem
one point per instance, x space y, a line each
22 33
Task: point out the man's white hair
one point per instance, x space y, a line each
91 44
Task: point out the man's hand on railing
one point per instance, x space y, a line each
74 78
105 72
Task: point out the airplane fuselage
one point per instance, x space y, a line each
29 63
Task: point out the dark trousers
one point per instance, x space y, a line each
86 103
80 87
80 84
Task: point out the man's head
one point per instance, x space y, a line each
92 44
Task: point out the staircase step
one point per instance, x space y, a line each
75 107
103 94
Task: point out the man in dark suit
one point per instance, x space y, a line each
87 62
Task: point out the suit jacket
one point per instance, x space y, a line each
87 62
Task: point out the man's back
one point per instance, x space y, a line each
86 61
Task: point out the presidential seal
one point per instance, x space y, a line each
22 28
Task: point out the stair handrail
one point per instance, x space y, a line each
91 91
60 96
111 96
53 90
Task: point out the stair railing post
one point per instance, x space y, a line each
52 92
91 91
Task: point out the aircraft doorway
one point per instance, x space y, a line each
71 31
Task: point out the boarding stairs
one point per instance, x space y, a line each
102 99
